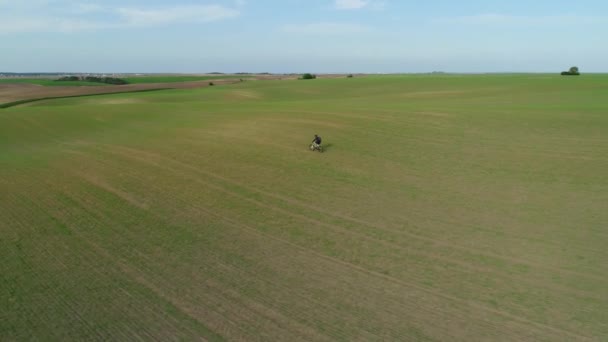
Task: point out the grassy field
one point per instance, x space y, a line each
172 79
132 80
47 82
452 208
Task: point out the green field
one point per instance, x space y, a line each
173 79
453 208
47 82
132 80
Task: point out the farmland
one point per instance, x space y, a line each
47 82
179 78
445 207
14 91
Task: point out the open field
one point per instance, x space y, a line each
454 208
10 93
179 78
47 82
14 91
52 82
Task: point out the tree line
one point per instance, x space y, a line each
95 79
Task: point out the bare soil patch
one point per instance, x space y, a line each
21 92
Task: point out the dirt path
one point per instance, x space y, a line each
20 92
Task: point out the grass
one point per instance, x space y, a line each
21 102
173 79
131 80
47 82
444 208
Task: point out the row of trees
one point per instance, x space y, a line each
107 80
313 76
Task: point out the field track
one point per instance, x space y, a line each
14 92
444 209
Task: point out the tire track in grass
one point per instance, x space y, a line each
18 203
467 249
48 202
369 225
331 226
43 252
81 200
556 245
236 223
96 218
516 318
178 201
151 307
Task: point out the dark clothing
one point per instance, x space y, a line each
317 140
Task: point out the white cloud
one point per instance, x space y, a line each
148 17
350 4
20 25
88 8
326 28
69 16
377 5
11 4
9 25
513 20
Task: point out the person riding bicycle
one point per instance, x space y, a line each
316 143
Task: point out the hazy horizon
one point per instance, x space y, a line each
295 36
288 73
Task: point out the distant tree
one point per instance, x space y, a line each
112 80
68 78
308 76
350 76
572 72
211 84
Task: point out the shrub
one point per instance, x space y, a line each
572 72
69 78
350 76
211 84
107 80
308 76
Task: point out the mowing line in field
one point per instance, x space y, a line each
505 314
343 217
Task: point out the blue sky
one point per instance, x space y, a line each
303 35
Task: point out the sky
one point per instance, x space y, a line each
320 36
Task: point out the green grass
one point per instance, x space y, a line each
445 207
22 102
173 79
47 82
131 80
